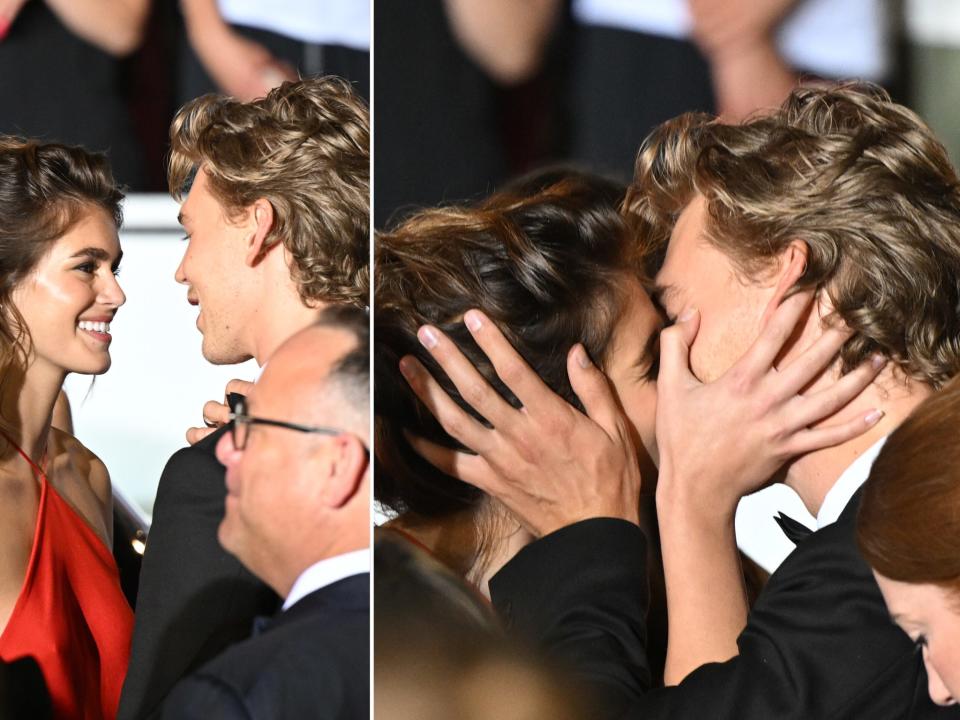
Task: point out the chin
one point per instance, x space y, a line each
219 353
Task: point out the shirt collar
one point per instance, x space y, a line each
326 572
847 485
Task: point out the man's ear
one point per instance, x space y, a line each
792 266
345 475
262 215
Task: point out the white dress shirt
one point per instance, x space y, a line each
326 572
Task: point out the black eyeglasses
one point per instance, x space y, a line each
242 422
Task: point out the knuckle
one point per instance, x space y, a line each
474 393
510 372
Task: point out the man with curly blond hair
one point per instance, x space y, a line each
275 205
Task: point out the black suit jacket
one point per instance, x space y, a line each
312 661
819 642
195 599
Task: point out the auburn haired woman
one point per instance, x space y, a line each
908 530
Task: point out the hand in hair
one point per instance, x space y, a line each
217 414
548 463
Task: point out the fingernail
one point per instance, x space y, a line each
407 368
472 320
580 355
427 337
873 417
687 314
878 361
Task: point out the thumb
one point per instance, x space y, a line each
675 344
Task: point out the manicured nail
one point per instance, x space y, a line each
580 355
878 361
407 368
687 315
472 320
873 417
427 337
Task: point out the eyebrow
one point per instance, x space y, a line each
97 254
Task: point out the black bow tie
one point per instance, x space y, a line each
796 532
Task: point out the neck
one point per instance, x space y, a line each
472 543
281 312
26 405
293 564
813 475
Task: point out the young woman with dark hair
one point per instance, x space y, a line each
60 597
551 261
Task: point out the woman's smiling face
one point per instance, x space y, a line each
70 298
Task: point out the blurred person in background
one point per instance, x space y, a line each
60 75
298 517
611 70
60 596
908 529
245 48
440 651
276 214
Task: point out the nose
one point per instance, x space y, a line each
227 454
180 274
111 293
939 692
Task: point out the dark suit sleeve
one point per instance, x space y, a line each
818 643
205 697
194 598
582 594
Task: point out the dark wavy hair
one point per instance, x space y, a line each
544 259
45 189
860 179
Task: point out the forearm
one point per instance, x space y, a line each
504 37
115 26
706 597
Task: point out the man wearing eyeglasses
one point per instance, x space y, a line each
298 517
275 207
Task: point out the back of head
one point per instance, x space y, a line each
543 261
439 652
858 178
45 188
348 382
305 148
908 527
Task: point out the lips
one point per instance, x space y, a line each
97 328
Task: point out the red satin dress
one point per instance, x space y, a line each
71 615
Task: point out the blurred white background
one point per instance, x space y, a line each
136 415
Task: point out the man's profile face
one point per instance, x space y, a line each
214 272
695 274
274 485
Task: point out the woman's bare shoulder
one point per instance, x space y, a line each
86 464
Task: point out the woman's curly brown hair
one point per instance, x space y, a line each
305 148
45 189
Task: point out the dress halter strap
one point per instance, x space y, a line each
37 468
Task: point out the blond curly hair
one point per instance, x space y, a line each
305 148
858 178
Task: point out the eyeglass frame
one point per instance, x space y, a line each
239 417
